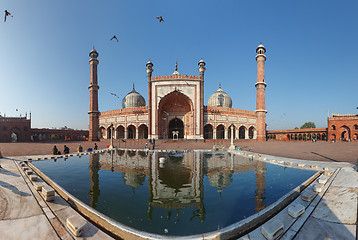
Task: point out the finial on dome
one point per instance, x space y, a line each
176 68
219 84
133 87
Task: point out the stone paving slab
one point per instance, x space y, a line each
35 227
16 199
346 178
339 205
318 229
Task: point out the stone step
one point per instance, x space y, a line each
272 230
34 177
318 187
322 180
296 210
308 195
38 185
47 191
76 224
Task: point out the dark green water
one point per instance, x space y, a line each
188 194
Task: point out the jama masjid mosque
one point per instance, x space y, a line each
176 109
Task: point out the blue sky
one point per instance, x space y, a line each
311 55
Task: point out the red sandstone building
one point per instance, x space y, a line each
340 128
176 109
18 129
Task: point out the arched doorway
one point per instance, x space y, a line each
242 132
175 105
109 132
143 132
14 137
176 125
208 131
333 137
251 132
120 132
345 133
220 132
131 132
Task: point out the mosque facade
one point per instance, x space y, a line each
175 109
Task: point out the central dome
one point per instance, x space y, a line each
220 99
133 99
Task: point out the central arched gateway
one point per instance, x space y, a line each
176 127
175 113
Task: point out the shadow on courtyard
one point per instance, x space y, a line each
331 159
13 189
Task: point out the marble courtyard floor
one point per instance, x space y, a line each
331 215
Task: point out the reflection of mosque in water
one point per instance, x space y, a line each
178 183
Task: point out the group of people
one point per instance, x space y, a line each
151 144
66 150
55 151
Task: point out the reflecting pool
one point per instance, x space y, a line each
188 193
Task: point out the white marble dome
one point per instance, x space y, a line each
220 99
133 99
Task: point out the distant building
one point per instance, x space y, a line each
18 129
340 128
343 127
15 129
176 109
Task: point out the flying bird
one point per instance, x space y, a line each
114 37
115 95
160 19
7 14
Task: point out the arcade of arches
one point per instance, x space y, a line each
129 132
340 128
222 132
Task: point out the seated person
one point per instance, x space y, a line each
66 150
54 150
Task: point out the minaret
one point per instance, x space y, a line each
260 93
149 72
93 88
201 123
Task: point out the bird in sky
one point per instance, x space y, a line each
115 95
160 19
114 37
7 14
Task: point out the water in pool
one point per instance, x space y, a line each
189 193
